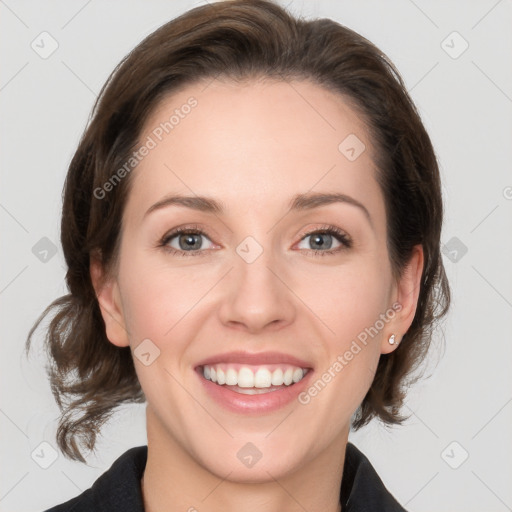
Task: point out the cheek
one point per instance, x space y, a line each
349 298
351 304
159 298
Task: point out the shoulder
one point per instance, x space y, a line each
362 490
117 489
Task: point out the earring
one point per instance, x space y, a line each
392 340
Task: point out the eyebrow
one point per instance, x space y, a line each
299 202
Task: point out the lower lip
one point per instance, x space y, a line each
255 404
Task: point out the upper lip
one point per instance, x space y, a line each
255 359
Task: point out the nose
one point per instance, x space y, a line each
257 296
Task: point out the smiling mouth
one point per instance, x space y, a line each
253 380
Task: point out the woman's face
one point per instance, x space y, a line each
244 279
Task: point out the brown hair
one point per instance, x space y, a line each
238 39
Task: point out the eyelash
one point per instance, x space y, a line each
342 237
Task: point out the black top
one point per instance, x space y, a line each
118 489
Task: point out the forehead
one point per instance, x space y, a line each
256 143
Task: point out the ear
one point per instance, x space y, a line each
109 299
407 293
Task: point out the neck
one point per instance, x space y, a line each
175 481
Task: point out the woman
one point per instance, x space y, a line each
251 224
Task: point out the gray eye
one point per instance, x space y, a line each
187 241
319 241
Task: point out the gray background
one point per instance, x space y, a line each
463 409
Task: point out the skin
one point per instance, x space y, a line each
253 146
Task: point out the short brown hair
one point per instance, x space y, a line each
238 40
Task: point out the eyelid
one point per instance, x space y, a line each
186 228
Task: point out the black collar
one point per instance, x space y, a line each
118 489
362 490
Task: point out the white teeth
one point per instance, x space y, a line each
297 374
262 378
221 376
248 378
245 378
277 377
255 391
231 377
